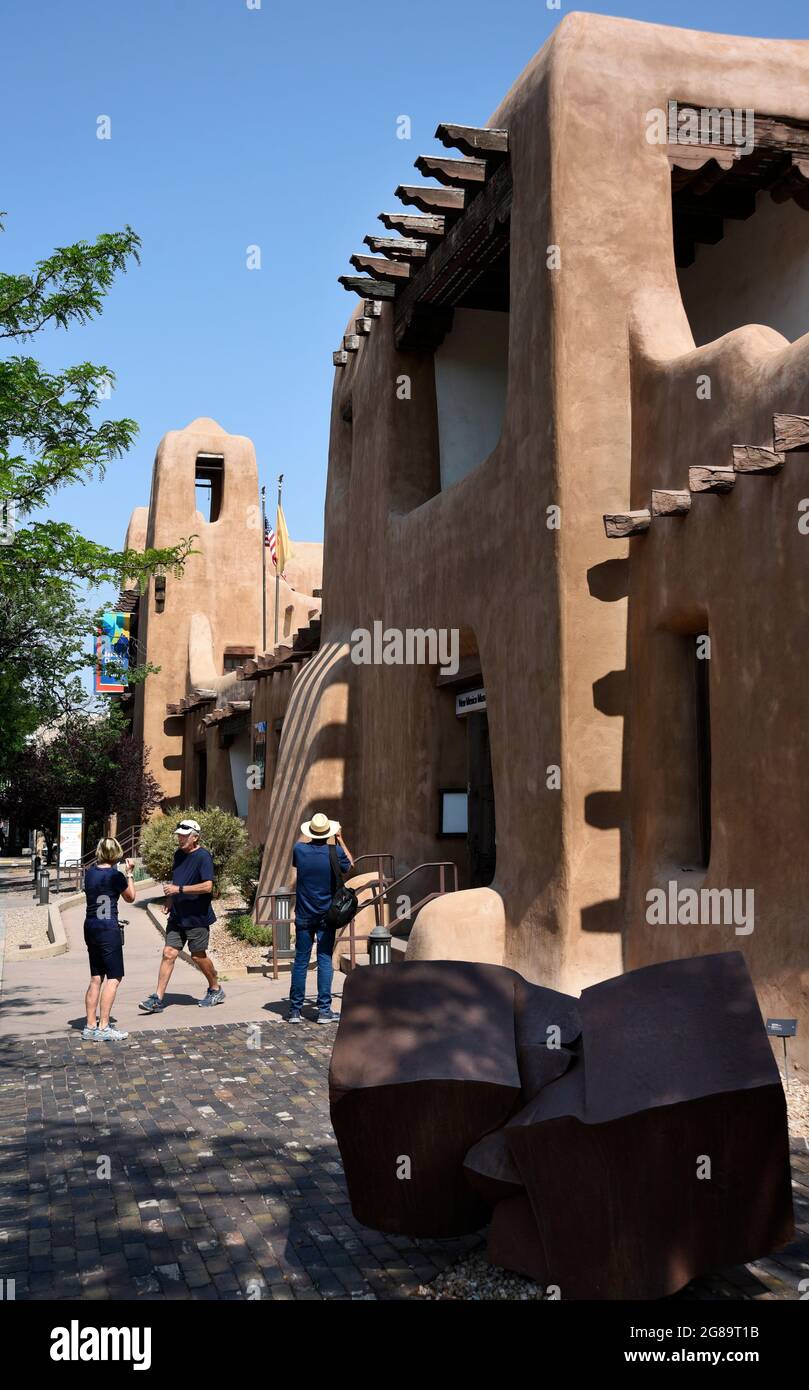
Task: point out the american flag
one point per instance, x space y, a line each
269 539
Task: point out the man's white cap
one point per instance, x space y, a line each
188 827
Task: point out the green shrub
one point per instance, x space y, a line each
242 926
244 872
222 834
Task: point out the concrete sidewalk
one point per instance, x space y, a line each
43 998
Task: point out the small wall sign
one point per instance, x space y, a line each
470 701
782 1027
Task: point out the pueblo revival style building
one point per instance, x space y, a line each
569 424
204 630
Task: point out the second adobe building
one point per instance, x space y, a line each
569 424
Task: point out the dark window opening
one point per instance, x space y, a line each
234 657
201 776
740 196
702 667
208 483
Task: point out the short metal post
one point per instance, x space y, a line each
44 886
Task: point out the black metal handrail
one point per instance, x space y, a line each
382 897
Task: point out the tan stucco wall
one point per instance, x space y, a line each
549 608
215 604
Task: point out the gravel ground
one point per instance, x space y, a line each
473 1278
26 925
798 1108
228 951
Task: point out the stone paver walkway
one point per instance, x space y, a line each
198 1161
195 1163
46 997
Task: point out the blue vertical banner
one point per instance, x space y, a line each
112 647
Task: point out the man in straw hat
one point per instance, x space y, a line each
314 891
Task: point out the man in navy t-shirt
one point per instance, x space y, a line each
190 916
314 890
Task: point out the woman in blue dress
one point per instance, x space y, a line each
104 884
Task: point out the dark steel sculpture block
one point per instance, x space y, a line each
491 1171
664 1153
424 1065
514 1241
548 1026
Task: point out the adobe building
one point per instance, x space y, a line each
201 628
595 310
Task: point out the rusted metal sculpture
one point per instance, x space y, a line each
424 1065
626 1142
664 1154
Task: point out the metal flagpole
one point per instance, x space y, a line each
264 569
277 575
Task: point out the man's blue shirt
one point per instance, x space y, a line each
315 885
196 867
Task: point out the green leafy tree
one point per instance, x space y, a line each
88 760
244 871
222 834
49 438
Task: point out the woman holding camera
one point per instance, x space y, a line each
104 884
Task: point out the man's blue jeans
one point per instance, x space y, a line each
306 933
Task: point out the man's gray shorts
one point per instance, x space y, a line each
195 934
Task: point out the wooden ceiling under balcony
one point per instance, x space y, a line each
712 182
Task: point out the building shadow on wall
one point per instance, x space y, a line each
606 810
301 749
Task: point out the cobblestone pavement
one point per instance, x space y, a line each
186 1164
195 1163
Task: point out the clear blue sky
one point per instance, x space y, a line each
233 127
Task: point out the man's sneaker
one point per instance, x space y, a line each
329 1017
89 1034
152 1005
294 1016
110 1035
214 996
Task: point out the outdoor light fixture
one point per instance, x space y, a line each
379 946
282 917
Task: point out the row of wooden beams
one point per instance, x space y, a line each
381 268
434 283
454 173
433 201
475 141
748 458
411 224
790 435
395 260
793 182
406 247
374 289
363 323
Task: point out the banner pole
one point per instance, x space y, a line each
277 575
263 569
